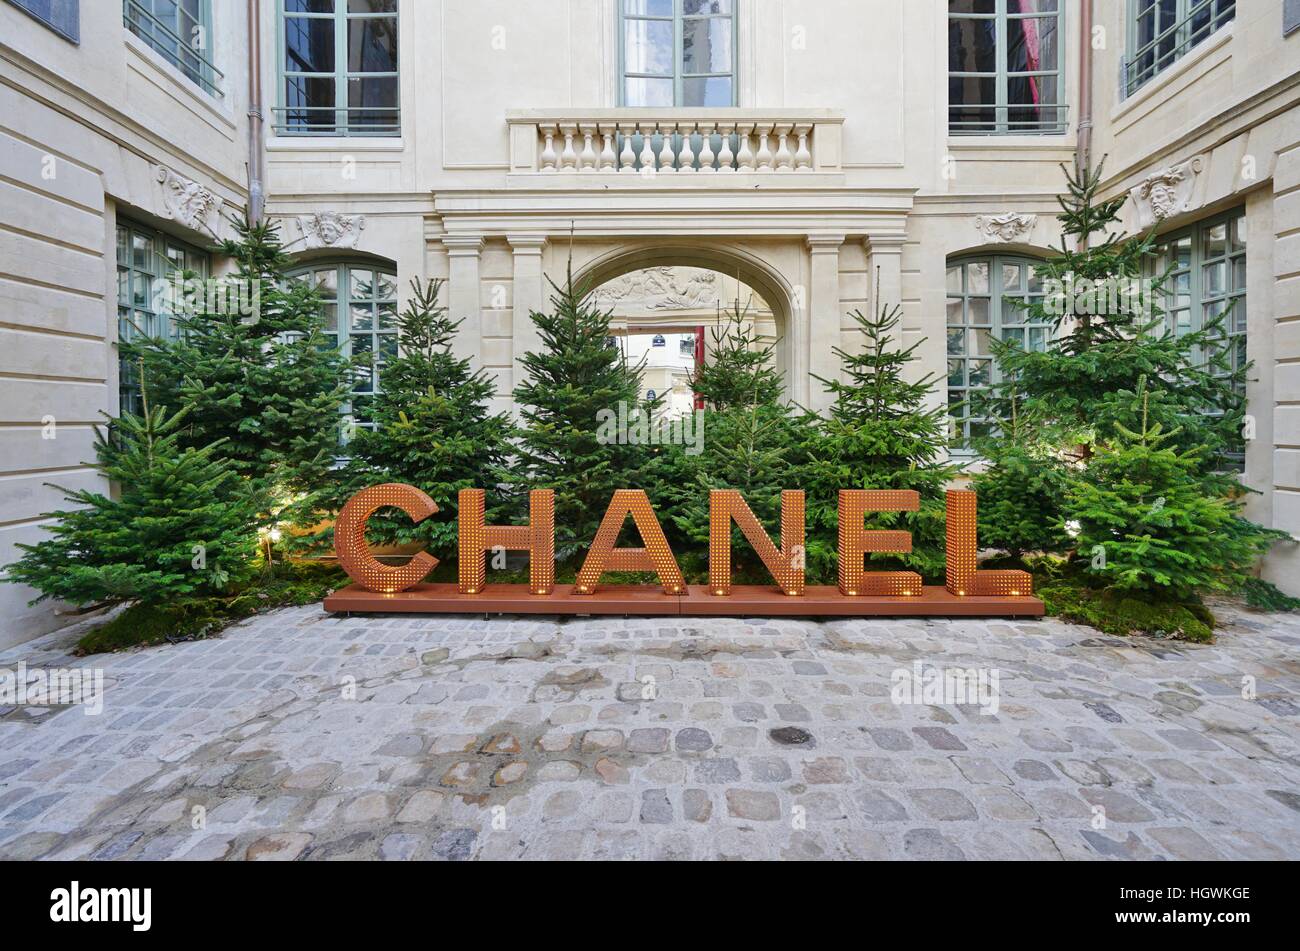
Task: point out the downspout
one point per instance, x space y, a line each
256 165
1085 86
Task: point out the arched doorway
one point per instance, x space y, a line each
699 302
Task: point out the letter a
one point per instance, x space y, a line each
656 556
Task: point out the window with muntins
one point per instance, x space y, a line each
979 312
61 16
677 52
181 32
148 263
338 68
1206 267
359 305
1161 32
1004 67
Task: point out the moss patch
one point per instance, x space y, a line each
192 619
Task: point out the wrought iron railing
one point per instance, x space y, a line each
980 119
1171 43
331 120
183 42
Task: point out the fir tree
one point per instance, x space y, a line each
433 428
1106 342
1021 491
572 388
749 439
1147 524
185 523
880 434
269 384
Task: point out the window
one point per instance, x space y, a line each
678 52
61 16
360 309
179 31
1162 31
338 68
1206 265
978 313
1004 67
147 262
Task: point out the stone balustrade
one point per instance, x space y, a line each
675 141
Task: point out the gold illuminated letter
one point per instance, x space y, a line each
656 556
537 538
856 542
963 576
785 563
354 552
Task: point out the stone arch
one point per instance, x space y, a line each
736 262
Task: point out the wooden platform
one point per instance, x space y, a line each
649 600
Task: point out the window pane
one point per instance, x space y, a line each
707 92
692 7
372 6
648 47
308 45
972 6
309 103
706 46
308 6
977 278
1031 45
655 8
379 95
647 92
972 46
372 45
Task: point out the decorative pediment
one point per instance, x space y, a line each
329 229
1007 227
188 202
1166 193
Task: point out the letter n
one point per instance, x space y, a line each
537 538
963 576
656 556
856 542
785 563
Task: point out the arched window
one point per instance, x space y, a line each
979 311
359 303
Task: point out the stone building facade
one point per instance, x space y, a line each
822 152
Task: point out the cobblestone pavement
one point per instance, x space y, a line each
301 736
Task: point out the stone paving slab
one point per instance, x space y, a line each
303 736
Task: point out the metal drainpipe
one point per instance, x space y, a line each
256 191
1085 84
